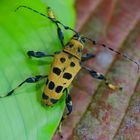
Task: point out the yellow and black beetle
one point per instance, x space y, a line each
65 66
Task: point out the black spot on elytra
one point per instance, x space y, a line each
44 96
62 60
53 100
58 89
51 85
67 76
72 64
56 70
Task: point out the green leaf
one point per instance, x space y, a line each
22 115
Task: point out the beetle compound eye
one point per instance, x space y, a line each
70 45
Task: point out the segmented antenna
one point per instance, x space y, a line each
117 52
68 28
49 17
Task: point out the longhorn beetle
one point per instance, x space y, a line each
65 66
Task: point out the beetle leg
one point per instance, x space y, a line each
51 16
28 80
87 57
38 54
60 35
101 77
69 107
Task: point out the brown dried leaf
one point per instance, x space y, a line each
115 23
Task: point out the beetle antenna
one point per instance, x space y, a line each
50 16
117 52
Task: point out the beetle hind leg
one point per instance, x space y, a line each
69 108
102 77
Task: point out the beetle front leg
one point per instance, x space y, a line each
101 77
60 35
38 54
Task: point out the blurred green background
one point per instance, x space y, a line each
22 115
